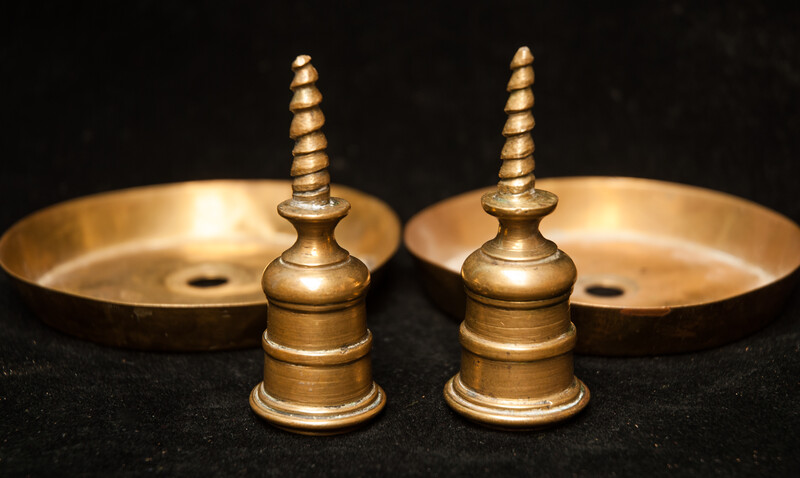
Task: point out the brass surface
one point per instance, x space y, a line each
517 338
696 268
317 369
170 267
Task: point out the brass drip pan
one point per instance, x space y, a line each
171 267
662 267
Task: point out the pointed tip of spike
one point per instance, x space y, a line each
304 72
300 61
523 57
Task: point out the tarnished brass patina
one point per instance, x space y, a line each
172 266
517 338
662 267
317 371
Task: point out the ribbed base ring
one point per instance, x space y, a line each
514 415
310 420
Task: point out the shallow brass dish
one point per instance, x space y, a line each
171 267
662 267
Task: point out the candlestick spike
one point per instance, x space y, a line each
309 167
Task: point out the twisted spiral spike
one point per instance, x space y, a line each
309 167
516 173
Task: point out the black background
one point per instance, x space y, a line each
119 94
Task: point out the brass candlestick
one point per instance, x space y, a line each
317 370
517 338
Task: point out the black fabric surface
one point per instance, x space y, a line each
119 94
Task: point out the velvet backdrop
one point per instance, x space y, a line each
97 97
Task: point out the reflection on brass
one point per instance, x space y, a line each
317 371
170 267
517 338
662 267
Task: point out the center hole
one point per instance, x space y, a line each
208 281
604 290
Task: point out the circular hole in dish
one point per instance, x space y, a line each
604 290
205 282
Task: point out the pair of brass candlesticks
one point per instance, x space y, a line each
664 268
517 338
